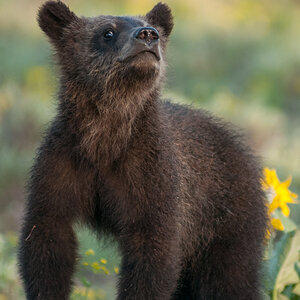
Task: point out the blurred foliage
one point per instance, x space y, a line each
95 277
10 286
283 267
239 59
282 259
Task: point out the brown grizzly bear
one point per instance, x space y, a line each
177 188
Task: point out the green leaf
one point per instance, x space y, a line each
287 222
85 282
276 259
282 297
286 256
297 266
265 296
288 291
296 289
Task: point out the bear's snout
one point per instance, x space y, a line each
142 40
147 34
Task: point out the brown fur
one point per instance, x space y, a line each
178 189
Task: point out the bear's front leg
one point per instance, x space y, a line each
150 265
59 195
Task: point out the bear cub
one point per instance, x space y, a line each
176 188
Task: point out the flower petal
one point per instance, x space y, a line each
285 209
277 224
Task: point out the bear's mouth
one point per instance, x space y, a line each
148 51
140 54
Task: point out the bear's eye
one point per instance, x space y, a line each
108 34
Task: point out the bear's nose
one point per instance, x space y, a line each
147 34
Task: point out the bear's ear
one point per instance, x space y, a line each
53 17
161 15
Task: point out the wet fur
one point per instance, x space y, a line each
177 188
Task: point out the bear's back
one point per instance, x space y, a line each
217 167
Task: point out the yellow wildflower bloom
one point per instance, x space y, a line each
276 223
105 270
89 252
85 263
116 269
270 178
103 260
95 265
282 195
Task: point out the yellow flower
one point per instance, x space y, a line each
95 265
276 223
89 252
103 260
282 195
116 269
85 263
270 178
105 270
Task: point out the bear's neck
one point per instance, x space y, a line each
106 124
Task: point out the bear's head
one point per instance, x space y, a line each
108 51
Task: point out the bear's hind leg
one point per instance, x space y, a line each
228 270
